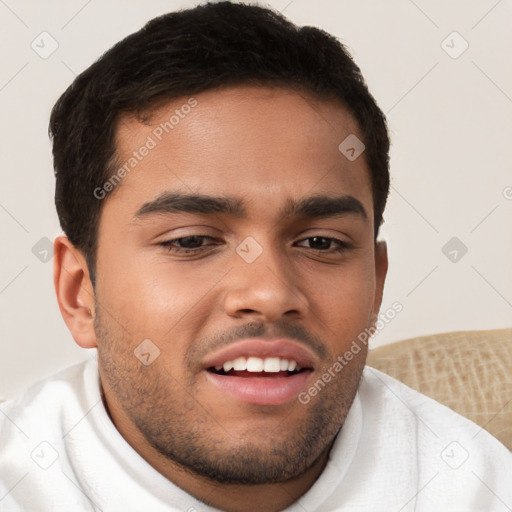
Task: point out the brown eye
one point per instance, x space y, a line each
324 244
191 243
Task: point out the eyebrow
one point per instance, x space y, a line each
317 206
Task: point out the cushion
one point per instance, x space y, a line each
468 371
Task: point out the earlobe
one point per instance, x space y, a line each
74 291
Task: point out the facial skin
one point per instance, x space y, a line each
264 146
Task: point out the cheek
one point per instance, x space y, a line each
155 298
152 297
344 301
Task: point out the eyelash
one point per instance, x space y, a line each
168 244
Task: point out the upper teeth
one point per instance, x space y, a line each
256 364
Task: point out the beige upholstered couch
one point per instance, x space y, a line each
468 371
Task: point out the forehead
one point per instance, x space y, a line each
265 145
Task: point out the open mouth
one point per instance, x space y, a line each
258 367
263 381
235 373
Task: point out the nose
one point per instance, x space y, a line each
267 288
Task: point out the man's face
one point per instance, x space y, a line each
247 278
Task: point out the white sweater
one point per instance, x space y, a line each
398 451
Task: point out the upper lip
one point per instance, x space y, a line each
256 347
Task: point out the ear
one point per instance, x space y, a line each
74 290
381 270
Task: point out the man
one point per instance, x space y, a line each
221 177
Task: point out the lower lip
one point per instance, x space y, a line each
261 390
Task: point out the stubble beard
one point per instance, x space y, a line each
184 431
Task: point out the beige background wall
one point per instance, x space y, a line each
450 115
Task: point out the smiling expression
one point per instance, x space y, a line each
242 246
